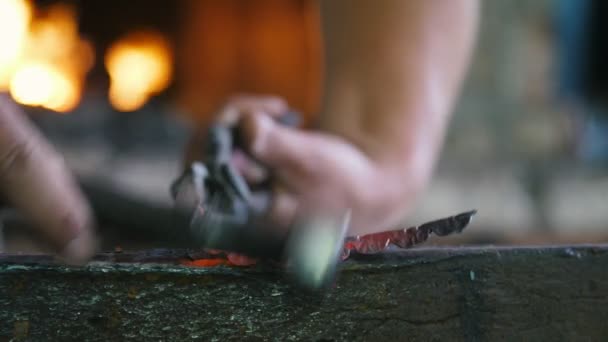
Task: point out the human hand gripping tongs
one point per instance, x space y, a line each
223 212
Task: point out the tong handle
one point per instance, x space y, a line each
291 119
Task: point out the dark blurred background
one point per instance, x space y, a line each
528 144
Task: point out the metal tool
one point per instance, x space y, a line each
223 212
226 214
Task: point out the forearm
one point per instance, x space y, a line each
394 69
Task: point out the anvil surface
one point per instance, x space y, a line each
467 294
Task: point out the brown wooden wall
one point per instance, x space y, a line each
261 46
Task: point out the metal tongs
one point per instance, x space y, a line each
224 213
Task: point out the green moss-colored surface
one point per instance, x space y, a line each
460 294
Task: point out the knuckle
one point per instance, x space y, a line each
312 168
237 97
239 101
15 158
272 99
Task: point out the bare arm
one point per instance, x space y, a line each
394 70
35 180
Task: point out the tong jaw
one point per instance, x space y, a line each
214 185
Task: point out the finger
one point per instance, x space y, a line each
270 105
230 115
322 171
292 154
253 172
283 209
34 178
240 260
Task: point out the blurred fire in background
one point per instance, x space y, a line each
52 51
15 17
140 66
517 149
44 60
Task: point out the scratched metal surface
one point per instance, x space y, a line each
468 294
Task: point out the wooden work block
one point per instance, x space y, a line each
467 294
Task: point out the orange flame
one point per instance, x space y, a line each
43 60
140 66
15 17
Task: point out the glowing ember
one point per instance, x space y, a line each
44 85
46 60
140 66
205 262
15 16
219 258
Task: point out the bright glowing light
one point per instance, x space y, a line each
15 16
48 61
33 85
55 35
44 61
44 85
140 66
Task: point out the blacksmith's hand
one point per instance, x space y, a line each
35 180
386 104
313 172
317 173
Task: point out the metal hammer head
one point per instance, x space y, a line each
313 249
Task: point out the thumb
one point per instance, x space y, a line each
315 169
289 152
35 179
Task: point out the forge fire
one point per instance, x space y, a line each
286 170
44 60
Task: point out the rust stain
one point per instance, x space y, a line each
152 277
205 262
132 292
21 329
114 318
18 286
